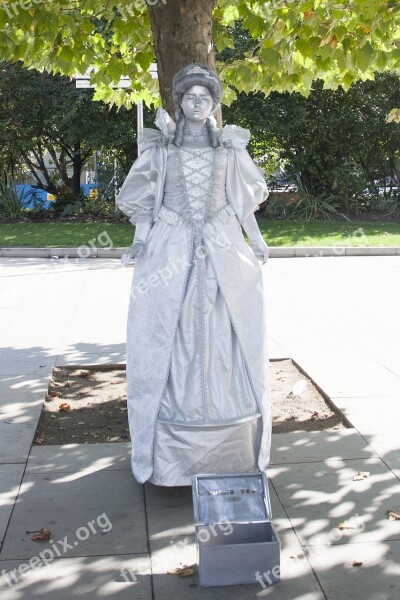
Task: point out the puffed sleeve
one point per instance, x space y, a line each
139 190
245 184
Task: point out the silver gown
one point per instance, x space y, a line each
197 365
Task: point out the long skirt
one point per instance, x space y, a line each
208 420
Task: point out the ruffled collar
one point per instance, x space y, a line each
164 123
231 136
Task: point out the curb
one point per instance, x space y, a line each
274 252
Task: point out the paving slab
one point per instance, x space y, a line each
16 437
65 503
7 314
386 444
317 446
378 578
170 550
10 479
105 354
370 414
43 332
393 363
120 577
308 351
297 579
319 496
31 361
169 511
292 330
96 331
392 460
19 393
354 380
314 479
80 458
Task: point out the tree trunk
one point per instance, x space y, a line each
77 164
182 32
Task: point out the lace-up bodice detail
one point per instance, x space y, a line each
195 183
196 164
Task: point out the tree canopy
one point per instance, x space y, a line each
42 113
295 42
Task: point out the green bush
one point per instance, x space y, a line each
66 199
277 207
319 206
303 205
11 205
69 204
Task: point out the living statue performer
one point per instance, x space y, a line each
197 367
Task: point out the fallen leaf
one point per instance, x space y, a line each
346 525
42 534
38 440
54 394
184 571
393 514
64 407
361 475
314 416
356 563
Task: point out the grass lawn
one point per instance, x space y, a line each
276 233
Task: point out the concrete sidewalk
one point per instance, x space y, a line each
85 251
117 539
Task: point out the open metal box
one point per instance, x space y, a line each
236 540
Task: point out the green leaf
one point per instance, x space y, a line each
270 56
363 57
254 24
231 14
144 59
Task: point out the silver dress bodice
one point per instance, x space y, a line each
195 183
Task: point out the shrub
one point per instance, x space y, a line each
319 206
11 204
69 204
68 201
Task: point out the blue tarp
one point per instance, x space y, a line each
34 196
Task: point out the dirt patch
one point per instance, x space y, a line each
297 405
89 405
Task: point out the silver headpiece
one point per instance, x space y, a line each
196 75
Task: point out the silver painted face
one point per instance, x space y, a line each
197 103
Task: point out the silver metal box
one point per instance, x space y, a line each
236 540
